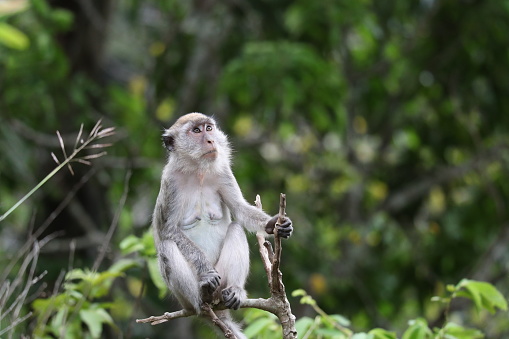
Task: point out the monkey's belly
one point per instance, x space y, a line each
208 236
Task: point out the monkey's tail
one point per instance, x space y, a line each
226 317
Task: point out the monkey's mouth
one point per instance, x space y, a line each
210 154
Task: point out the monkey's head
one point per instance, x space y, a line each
195 142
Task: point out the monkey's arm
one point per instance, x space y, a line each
252 218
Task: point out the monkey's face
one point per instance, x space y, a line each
205 137
195 142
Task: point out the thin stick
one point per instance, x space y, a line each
218 322
154 320
263 248
276 262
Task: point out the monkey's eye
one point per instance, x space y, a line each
196 130
209 128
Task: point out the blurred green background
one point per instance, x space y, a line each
385 122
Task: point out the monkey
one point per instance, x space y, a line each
200 216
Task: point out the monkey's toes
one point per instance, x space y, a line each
231 298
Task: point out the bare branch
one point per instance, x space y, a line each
277 283
265 251
155 320
207 310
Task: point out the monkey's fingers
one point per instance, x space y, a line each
286 222
285 232
210 280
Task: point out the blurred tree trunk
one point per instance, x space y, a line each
84 43
85 218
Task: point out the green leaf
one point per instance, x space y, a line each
456 331
94 318
13 37
76 273
62 18
418 329
155 275
131 244
307 299
123 265
361 336
484 295
343 321
303 325
330 333
299 293
43 306
380 333
148 243
257 326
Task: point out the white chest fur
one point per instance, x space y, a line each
205 218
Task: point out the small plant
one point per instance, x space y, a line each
12 309
331 326
80 144
76 310
324 326
145 247
485 297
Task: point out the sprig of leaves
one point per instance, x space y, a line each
80 144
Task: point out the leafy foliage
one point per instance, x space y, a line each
65 313
263 325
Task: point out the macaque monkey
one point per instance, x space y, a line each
203 254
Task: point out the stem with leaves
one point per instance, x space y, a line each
95 134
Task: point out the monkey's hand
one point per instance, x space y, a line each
284 230
209 282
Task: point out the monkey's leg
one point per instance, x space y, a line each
180 277
233 266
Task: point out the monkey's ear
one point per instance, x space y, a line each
169 142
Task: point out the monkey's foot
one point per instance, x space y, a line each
232 297
209 282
